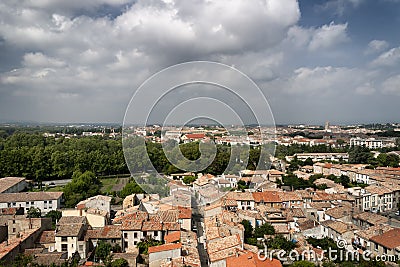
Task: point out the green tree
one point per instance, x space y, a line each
303 264
34 212
265 229
344 180
144 245
242 185
22 260
309 162
189 179
280 242
55 216
119 263
103 250
130 188
387 160
82 186
359 155
328 264
248 229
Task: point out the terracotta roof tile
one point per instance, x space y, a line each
185 213
29 196
7 182
389 239
165 247
267 196
172 237
251 259
47 237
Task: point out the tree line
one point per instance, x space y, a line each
40 158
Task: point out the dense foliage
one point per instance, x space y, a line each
251 234
55 216
130 188
44 158
144 245
82 186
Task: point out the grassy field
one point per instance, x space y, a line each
110 184
55 189
113 184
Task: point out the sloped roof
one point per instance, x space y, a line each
389 239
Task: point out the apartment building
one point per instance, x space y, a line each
69 236
45 201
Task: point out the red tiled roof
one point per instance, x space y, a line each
47 237
172 237
195 136
165 247
185 213
267 196
152 226
251 260
390 239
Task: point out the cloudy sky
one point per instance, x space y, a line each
81 61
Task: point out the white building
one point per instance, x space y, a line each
371 143
45 201
378 198
69 236
98 202
320 156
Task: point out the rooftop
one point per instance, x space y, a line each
389 239
29 196
172 237
165 247
267 196
47 237
7 182
251 259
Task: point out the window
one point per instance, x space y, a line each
45 202
376 246
135 235
14 230
50 201
27 203
80 247
155 233
125 235
32 202
63 239
64 247
126 244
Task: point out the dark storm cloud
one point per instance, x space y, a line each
82 60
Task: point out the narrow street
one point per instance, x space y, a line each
198 221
